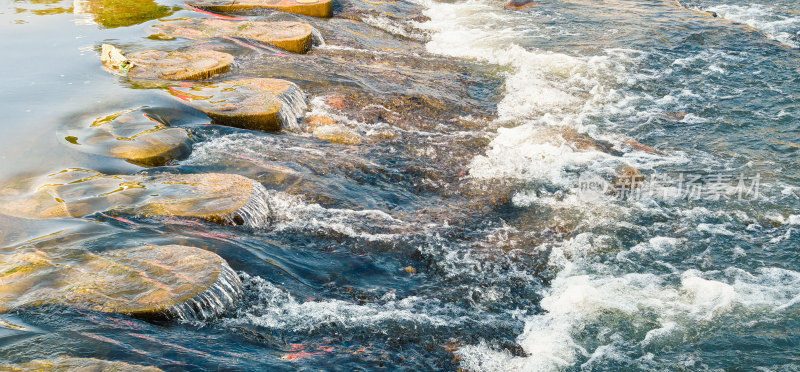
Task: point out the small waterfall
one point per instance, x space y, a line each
256 213
316 38
213 301
294 104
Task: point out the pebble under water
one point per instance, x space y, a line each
449 188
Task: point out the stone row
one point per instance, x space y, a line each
157 281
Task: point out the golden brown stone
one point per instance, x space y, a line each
337 134
519 4
636 145
79 192
192 64
291 36
258 103
628 178
132 135
145 281
77 364
313 121
312 8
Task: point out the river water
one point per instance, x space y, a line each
469 228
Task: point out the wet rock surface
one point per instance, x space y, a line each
256 103
223 198
150 281
132 135
189 64
313 8
519 4
67 364
295 37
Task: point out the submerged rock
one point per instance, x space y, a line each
295 37
313 8
77 364
337 134
628 179
132 135
519 4
256 103
151 281
326 129
640 146
221 198
575 140
192 64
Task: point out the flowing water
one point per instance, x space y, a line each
469 228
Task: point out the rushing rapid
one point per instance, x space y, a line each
578 185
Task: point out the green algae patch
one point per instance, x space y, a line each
121 13
294 37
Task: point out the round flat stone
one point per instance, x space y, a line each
258 103
132 135
291 36
223 198
312 8
192 64
77 364
154 281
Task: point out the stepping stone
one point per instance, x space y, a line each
255 103
312 8
162 282
220 198
294 37
134 136
76 364
192 64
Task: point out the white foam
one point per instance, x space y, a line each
538 81
294 214
275 308
215 300
678 307
294 104
526 153
772 23
395 27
